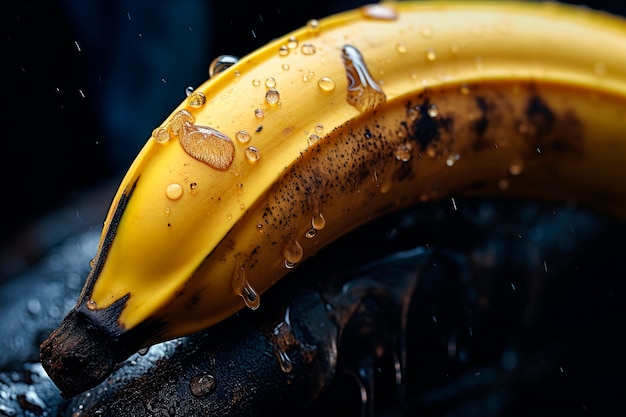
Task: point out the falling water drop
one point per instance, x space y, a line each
363 92
242 287
293 253
318 221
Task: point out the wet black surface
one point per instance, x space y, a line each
509 307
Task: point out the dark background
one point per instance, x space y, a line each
85 82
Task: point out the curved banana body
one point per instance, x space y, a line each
344 120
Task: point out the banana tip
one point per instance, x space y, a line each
78 355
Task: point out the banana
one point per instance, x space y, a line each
350 117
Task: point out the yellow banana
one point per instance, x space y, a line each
346 119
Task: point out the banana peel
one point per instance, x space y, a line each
342 121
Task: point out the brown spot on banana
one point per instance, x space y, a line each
518 139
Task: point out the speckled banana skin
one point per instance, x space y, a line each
328 127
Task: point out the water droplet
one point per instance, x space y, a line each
259 114
311 233
270 82
451 160
221 63
516 168
197 99
272 96
326 84
202 384
242 287
403 152
292 42
319 128
188 90
313 25
401 47
431 55
242 136
455 206
293 252
179 120
250 297
229 216
363 92
284 360
92 305
174 191
413 114
379 12
259 228
433 111
167 212
192 188
283 50
312 139
161 135
285 67
208 145
308 49
34 306
426 31
253 154
318 221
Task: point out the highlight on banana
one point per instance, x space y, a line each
344 120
